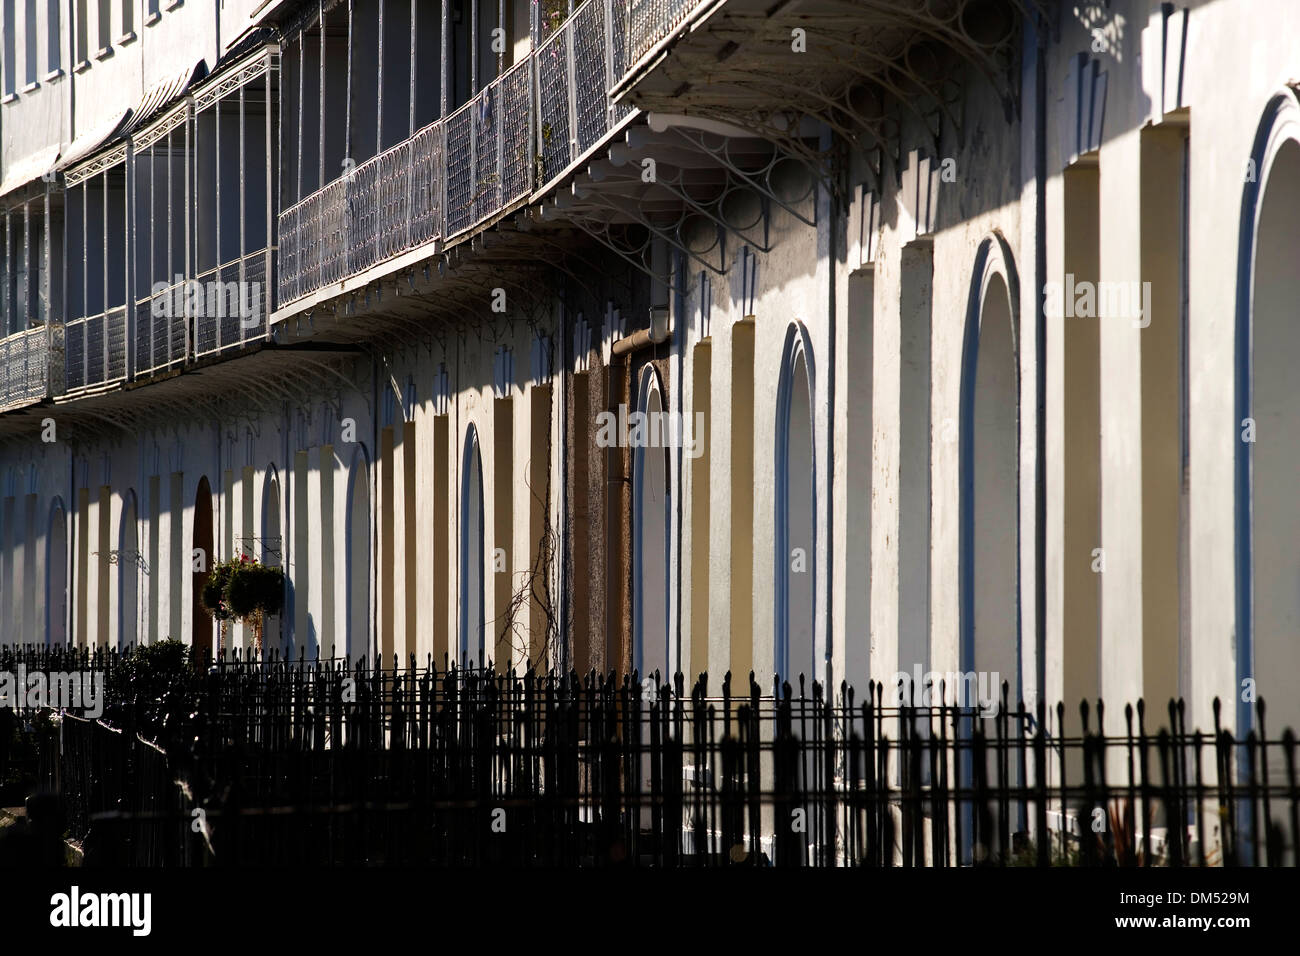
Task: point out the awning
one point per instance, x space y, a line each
29 169
89 141
159 96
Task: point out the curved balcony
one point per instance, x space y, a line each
510 142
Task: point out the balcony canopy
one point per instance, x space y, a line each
30 169
859 66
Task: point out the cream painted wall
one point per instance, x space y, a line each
991 193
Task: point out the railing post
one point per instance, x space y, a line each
441 167
498 122
534 109
609 62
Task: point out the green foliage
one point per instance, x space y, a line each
254 587
214 590
241 588
166 656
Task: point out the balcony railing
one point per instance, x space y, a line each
24 368
230 304
160 330
514 138
96 350
651 21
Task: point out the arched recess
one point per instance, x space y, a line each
358 556
1268 446
990 470
652 648
56 575
201 543
472 558
271 552
272 543
128 572
798 648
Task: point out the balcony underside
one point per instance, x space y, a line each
711 188
210 390
862 67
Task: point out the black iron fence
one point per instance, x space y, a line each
330 762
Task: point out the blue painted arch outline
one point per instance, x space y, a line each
471 513
797 347
358 578
649 384
1279 125
58 512
993 260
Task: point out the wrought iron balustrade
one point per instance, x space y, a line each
96 350
161 330
231 304
510 141
650 21
24 368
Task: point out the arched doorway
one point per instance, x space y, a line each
358 557
651 646
56 575
990 478
270 553
201 545
128 574
796 509
1268 423
471 553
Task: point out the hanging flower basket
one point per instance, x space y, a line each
244 590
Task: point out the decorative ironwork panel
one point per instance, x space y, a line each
289 257
75 352
115 326
553 83
487 159
619 64
426 184
590 73
515 112
24 368
393 192
460 169
651 21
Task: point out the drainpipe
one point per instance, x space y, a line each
656 333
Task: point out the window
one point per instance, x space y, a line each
128 18
30 34
9 26
105 25
83 32
52 36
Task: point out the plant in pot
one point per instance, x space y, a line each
244 590
213 597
